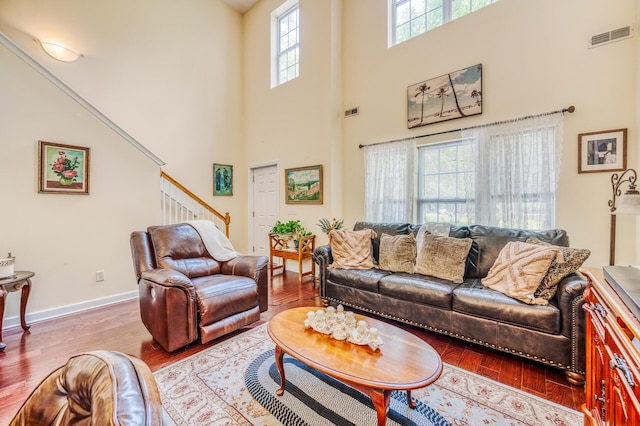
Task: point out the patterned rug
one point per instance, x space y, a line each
313 398
208 388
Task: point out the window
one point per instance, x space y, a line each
410 18
446 183
285 43
502 175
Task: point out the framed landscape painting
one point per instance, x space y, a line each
454 95
604 151
222 179
63 169
303 185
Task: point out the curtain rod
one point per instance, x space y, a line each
570 109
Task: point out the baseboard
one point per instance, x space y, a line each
32 317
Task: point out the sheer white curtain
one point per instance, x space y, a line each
517 171
389 181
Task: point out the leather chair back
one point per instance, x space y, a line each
95 388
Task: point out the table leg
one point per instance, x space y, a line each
380 399
3 297
24 297
412 404
279 364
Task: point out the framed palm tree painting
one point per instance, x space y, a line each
454 95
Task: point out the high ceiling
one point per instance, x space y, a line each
241 5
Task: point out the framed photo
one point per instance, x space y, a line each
602 151
450 96
222 179
303 185
63 169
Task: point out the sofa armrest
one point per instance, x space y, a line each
323 258
254 267
570 299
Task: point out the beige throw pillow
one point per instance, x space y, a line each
398 253
351 249
442 257
573 260
519 269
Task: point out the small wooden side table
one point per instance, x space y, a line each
278 248
20 281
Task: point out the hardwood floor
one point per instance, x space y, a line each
29 357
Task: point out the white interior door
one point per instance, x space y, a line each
265 206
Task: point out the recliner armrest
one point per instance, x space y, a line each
254 267
168 278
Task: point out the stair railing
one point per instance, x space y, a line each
179 205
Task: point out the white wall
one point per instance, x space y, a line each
535 59
298 123
167 72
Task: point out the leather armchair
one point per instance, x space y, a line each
95 388
186 295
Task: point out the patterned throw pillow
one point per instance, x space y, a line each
351 249
573 260
519 269
442 257
398 253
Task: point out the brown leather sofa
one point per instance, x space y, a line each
95 388
552 334
186 295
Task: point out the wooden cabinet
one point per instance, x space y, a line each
613 355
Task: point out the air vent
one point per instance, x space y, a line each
350 112
610 36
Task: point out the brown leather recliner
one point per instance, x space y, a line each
185 294
95 388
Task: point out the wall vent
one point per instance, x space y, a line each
610 36
350 112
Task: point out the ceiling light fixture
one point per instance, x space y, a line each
59 52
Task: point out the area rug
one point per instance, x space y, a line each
209 388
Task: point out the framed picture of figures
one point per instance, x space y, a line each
222 179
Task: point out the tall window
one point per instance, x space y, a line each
287 44
500 175
446 183
410 18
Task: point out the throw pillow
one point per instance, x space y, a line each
351 249
442 257
573 260
519 270
398 253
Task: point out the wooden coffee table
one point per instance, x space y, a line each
403 362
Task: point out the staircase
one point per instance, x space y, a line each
179 205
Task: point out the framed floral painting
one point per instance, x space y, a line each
63 169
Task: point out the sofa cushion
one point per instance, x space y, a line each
573 260
472 298
519 269
442 257
398 253
362 279
419 289
221 296
379 229
351 249
489 240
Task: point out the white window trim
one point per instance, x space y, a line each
275 15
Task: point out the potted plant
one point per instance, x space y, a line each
286 230
328 225
301 232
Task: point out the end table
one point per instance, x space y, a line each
20 281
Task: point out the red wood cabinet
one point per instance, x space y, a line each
613 358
